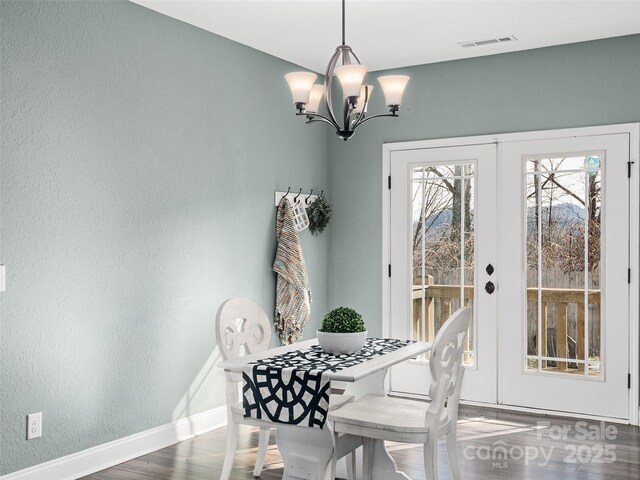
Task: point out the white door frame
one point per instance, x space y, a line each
633 130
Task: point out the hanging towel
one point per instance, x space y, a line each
293 295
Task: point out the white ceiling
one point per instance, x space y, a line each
397 33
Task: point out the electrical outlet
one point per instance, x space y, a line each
34 425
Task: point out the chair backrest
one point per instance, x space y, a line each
445 362
241 325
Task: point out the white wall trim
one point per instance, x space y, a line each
634 263
386 243
103 456
386 250
629 128
633 130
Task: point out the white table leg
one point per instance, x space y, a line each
384 466
306 452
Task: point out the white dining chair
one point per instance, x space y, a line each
379 417
242 327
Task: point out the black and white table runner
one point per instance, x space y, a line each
293 387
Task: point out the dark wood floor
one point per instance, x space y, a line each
535 448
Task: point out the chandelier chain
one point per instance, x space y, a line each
343 14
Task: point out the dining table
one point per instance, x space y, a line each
307 452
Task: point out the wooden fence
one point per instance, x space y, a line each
562 306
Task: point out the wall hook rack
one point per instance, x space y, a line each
293 196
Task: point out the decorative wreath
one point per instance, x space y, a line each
319 213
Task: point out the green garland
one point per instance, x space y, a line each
319 213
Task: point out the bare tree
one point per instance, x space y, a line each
443 198
570 217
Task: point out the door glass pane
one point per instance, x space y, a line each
443 248
532 270
563 323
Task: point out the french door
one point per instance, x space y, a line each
443 205
534 236
564 294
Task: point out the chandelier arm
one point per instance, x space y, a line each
328 77
316 117
321 120
358 121
375 116
348 108
357 60
360 118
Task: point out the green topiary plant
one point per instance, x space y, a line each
342 320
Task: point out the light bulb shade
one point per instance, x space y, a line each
300 84
351 77
393 87
317 91
365 91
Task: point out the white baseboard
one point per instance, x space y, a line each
109 454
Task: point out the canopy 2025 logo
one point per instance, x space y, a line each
581 443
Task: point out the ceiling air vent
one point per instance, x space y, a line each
488 41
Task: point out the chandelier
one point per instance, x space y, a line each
356 93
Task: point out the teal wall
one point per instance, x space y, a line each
136 195
591 83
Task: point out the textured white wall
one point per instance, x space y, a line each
136 195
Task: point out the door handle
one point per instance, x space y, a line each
490 269
489 288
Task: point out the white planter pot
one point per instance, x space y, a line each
339 343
